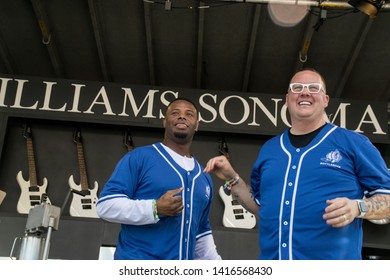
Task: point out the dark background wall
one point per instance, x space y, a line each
81 238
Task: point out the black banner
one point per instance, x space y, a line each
237 112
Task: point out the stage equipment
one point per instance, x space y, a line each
35 244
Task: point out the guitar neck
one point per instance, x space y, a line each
223 148
82 167
31 163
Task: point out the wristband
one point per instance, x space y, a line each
231 182
155 215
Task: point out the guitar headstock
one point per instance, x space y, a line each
223 148
27 132
77 135
128 140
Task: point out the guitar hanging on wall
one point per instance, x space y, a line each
84 200
234 215
31 193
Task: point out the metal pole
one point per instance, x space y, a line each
48 236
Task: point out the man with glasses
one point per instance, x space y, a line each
312 185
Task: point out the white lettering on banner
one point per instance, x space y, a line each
209 108
129 96
342 109
284 114
76 98
374 121
105 102
165 101
46 101
273 118
3 90
222 109
18 97
139 102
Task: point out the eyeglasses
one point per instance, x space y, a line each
311 88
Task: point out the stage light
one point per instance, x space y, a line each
287 15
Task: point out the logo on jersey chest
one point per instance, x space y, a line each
332 159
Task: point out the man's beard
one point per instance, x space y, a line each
180 135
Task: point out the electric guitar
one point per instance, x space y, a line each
84 200
234 215
31 193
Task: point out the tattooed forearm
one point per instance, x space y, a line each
378 206
243 194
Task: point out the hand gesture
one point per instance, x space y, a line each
170 203
221 167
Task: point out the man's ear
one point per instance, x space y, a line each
197 126
164 122
326 100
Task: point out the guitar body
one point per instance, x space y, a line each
234 215
83 206
30 195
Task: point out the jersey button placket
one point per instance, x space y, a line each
187 211
287 204
288 201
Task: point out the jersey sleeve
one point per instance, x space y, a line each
205 249
371 170
116 203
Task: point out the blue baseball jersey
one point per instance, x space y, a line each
147 173
291 185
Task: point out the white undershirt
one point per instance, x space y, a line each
185 162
